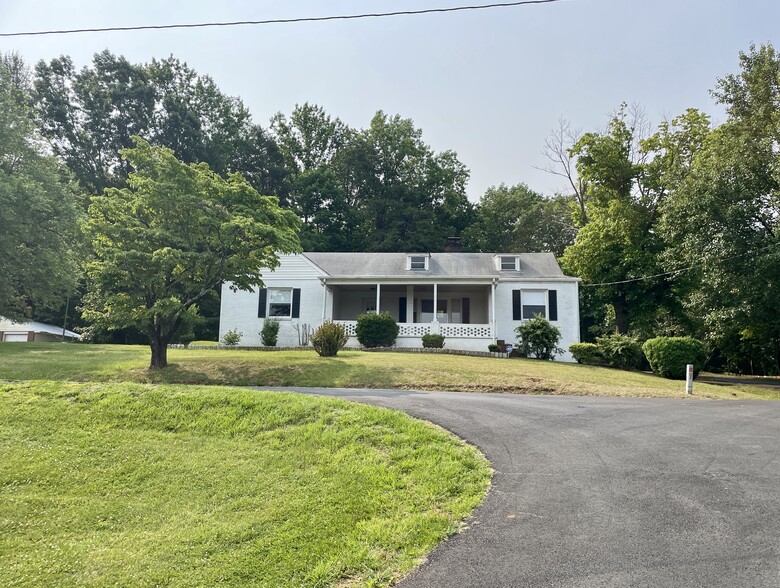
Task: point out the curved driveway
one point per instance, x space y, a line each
609 492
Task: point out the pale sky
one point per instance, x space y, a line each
490 85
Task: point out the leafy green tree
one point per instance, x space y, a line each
39 209
627 178
89 116
173 236
310 141
408 197
724 219
518 219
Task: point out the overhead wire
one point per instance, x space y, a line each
281 20
677 271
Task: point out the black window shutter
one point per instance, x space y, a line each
552 302
262 303
466 308
296 309
402 309
517 306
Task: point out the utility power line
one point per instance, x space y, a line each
677 271
280 20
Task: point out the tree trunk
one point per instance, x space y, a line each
159 347
621 314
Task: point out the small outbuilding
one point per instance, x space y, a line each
33 331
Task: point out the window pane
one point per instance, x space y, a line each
281 296
280 309
508 263
535 297
530 310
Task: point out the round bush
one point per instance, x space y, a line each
668 356
376 330
433 341
587 353
328 339
538 337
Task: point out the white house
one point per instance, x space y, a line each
33 331
473 299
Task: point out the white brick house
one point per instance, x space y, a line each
478 298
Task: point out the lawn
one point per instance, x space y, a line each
125 484
349 369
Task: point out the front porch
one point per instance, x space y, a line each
463 312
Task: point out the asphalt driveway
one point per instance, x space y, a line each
609 492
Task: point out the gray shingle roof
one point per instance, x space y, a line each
454 265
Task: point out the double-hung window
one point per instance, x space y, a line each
279 303
528 303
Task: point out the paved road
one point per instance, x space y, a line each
609 492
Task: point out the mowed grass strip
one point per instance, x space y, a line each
350 369
123 484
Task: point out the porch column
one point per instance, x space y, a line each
435 302
493 309
378 288
410 304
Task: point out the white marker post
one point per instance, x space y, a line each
689 378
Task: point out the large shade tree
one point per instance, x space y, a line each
171 237
90 115
39 208
724 220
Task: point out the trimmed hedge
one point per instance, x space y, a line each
668 356
432 341
376 330
621 351
328 339
587 353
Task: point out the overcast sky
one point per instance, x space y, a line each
489 84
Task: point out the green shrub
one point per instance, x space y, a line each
376 330
539 338
587 353
231 338
269 335
494 348
620 351
328 339
433 341
668 356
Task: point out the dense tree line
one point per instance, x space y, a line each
673 229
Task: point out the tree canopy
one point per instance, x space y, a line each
173 236
39 209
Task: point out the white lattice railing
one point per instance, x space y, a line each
466 331
349 327
420 329
413 329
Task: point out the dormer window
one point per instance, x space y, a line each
417 263
508 263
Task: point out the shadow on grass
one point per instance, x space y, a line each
315 372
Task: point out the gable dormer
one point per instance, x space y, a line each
508 263
418 262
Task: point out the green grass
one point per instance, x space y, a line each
125 484
349 369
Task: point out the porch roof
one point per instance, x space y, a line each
441 265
